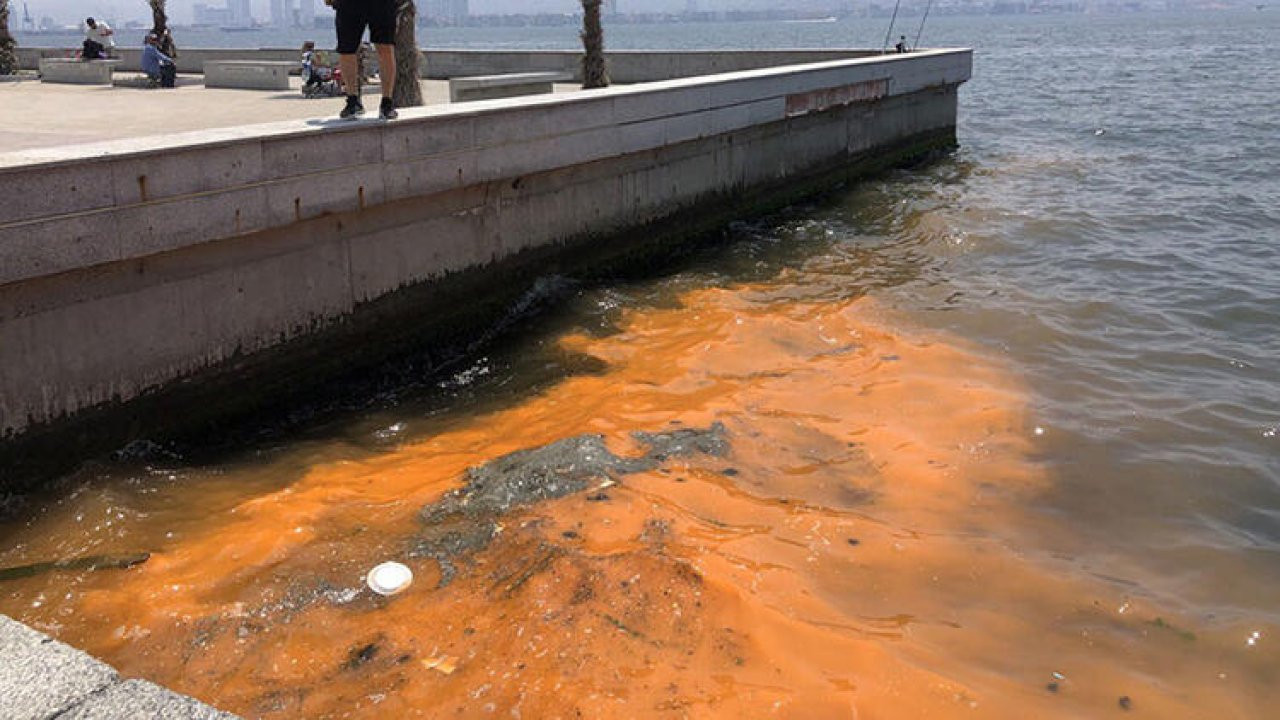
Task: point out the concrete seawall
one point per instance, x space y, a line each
43 679
141 279
625 66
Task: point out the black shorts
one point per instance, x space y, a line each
353 16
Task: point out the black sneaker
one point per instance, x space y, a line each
387 111
354 108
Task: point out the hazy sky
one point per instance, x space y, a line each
180 10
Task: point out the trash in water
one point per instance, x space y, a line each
361 655
443 664
389 578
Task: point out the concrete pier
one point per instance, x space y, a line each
150 282
43 679
45 115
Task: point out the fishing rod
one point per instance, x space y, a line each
920 32
885 48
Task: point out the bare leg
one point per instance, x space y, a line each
386 69
350 74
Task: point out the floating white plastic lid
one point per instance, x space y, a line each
389 578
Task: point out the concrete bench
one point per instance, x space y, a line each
484 87
248 74
77 72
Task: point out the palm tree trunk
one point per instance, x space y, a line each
160 26
8 58
594 74
408 89
159 18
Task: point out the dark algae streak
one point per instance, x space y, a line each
466 520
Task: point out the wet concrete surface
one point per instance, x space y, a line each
43 679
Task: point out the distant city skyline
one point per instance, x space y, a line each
184 12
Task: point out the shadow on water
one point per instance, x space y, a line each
516 357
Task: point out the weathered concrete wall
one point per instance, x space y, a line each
42 679
625 66
127 265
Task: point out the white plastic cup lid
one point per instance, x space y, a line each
389 578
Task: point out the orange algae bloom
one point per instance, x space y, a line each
850 556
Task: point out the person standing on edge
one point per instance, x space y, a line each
353 16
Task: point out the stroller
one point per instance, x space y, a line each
319 79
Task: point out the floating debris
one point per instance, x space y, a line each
390 432
389 578
360 655
541 560
444 664
621 626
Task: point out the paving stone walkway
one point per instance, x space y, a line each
43 679
40 114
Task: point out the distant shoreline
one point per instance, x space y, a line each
998 8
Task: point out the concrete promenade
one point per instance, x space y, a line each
43 679
43 115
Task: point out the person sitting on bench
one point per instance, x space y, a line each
158 66
98 40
